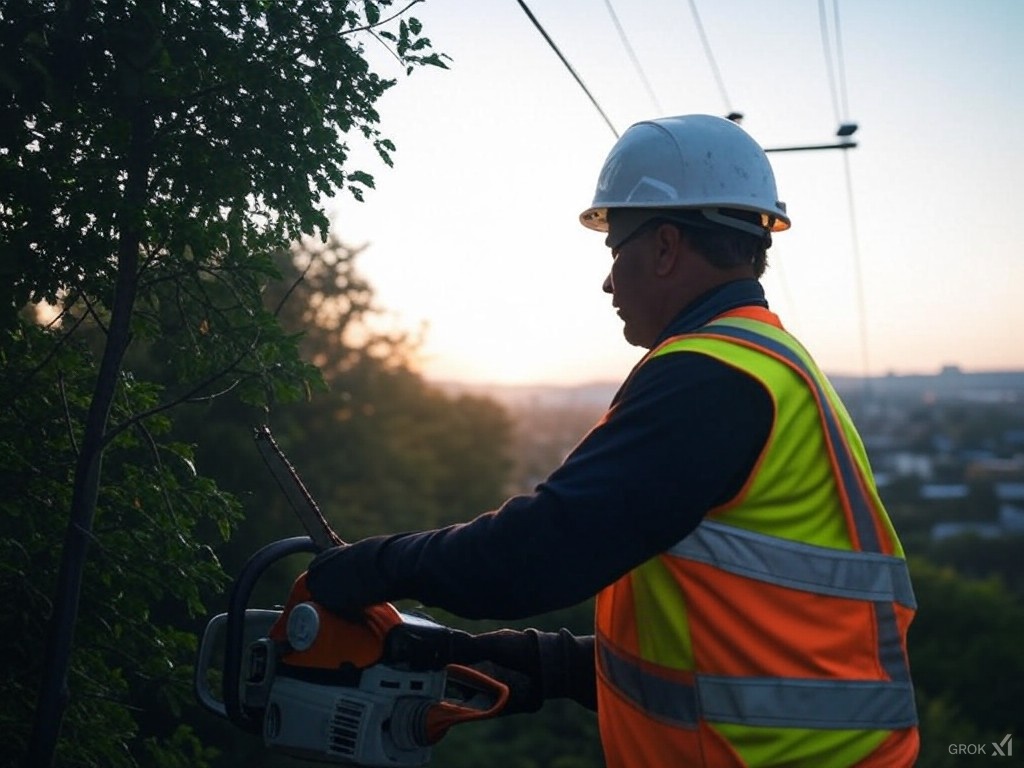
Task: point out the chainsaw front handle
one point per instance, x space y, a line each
258 622
202 682
237 606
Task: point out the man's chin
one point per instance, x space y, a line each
633 338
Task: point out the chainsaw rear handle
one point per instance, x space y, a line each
235 639
470 695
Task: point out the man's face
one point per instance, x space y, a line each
632 280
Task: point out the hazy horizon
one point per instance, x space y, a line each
947 370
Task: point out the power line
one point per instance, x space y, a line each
858 272
710 55
836 81
633 56
840 63
840 107
826 48
568 66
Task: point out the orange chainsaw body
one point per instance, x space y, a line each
349 643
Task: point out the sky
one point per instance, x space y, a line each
904 255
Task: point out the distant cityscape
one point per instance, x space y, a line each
947 449
950 382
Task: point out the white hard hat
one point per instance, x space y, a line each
692 162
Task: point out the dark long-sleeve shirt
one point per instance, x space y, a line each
681 437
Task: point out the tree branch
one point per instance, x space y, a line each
185 398
95 316
67 412
291 288
211 90
380 23
23 384
141 428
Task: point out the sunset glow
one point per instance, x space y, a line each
474 233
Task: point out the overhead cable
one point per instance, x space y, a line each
857 271
711 56
836 82
633 57
840 107
568 66
840 64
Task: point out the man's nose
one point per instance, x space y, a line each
607 285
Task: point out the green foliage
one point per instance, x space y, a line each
153 158
181 750
211 130
965 657
145 552
983 558
561 735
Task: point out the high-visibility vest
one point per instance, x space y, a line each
775 633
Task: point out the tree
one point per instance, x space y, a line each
152 157
965 659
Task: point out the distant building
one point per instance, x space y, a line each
1009 492
907 464
941 531
1011 518
994 468
944 491
1009 521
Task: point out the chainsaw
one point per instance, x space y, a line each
347 690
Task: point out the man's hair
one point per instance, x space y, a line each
725 247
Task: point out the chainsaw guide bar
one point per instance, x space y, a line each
299 498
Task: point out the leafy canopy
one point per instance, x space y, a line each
214 127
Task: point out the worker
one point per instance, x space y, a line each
752 596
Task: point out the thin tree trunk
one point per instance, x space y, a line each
54 693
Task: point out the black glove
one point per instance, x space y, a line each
557 665
536 666
512 658
347 578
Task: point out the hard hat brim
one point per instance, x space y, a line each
597 218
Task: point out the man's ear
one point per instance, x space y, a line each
669 241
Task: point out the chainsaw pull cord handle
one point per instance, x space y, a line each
255 566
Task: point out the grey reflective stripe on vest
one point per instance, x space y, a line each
671 702
785 702
890 645
863 519
796 565
762 701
